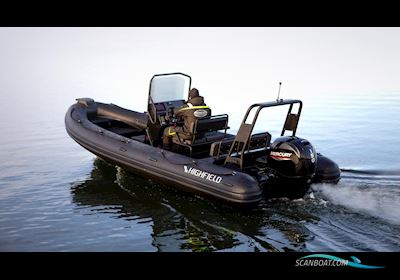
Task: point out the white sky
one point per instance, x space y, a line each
232 67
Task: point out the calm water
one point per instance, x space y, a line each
56 196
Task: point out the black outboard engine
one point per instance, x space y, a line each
292 166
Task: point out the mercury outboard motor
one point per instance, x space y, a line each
292 165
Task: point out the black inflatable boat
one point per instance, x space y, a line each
236 169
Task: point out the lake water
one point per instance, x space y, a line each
56 196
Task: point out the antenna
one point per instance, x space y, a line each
279 91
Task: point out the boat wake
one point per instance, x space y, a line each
372 174
377 200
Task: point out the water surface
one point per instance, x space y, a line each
56 196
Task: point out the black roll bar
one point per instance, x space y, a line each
291 119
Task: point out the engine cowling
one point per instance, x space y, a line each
292 161
293 157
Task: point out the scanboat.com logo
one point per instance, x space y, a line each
202 174
329 260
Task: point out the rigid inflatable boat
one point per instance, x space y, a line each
237 169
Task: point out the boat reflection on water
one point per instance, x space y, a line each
183 222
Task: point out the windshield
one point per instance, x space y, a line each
169 87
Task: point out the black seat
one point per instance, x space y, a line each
257 141
201 132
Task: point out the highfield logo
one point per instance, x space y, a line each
202 174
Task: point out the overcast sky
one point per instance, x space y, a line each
230 66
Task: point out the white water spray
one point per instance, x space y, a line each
378 201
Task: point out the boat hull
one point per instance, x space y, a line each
197 176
